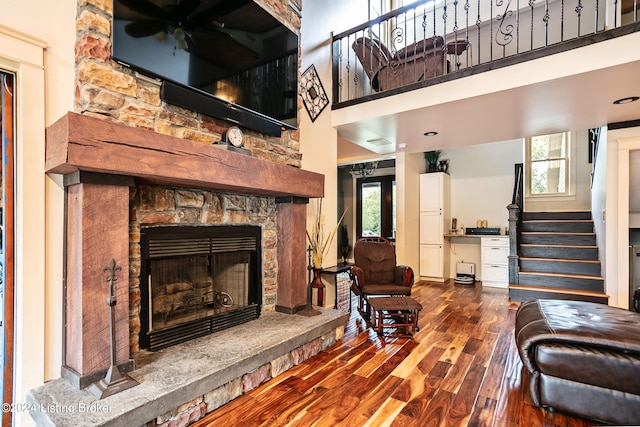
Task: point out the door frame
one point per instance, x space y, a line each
24 55
8 97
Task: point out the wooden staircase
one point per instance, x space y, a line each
558 258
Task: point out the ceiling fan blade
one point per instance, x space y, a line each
144 28
220 48
145 7
186 8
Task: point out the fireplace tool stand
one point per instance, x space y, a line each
114 381
308 310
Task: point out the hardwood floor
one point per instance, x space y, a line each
461 368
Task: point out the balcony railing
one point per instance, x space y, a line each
429 42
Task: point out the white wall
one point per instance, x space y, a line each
482 179
318 139
45 92
599 199
408 170
619 145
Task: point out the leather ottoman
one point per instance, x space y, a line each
583 358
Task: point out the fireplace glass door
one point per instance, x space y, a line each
197 280
194 287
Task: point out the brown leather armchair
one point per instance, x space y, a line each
375 272
416 62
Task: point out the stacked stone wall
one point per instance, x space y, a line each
109 90
152 205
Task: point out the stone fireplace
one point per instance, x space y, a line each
110 169
170 185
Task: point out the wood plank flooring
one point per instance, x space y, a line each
461 368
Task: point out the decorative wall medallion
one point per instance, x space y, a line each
313 94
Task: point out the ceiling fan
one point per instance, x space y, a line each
192 28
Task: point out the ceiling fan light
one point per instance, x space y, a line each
162 36
180 37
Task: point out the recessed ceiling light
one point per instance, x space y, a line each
430 133
626 100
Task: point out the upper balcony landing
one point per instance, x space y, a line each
542 67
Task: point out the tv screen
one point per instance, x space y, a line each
231 50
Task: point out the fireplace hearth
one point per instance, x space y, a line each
197 280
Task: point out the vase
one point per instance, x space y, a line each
344 251
317 283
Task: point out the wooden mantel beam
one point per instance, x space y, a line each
77 142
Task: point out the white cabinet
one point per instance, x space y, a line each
431 261
434 220
495 261
431 228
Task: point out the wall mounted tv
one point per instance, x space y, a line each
229 59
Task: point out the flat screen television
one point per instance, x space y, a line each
229 59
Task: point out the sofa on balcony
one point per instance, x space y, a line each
416 62
583 358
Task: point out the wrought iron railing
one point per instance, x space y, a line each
427 41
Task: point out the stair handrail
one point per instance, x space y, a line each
515 222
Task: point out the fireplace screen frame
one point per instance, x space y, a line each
176 241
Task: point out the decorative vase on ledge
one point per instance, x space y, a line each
316 283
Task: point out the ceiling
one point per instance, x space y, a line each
575 102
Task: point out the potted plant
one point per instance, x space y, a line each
319 244
431 158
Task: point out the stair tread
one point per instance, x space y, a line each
559 290
557 220
586 261
568 233
571 276
537 245
557 212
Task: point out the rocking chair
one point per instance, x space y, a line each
375 272
416 62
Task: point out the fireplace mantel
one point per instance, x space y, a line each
81 143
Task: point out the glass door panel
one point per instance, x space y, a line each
371 209
375 206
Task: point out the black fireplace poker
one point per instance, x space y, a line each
114 381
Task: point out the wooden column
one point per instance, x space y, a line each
292 254
97 230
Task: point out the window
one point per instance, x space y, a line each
375 214
548 162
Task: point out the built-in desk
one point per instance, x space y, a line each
463 236
494 253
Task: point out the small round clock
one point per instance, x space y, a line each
234 136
